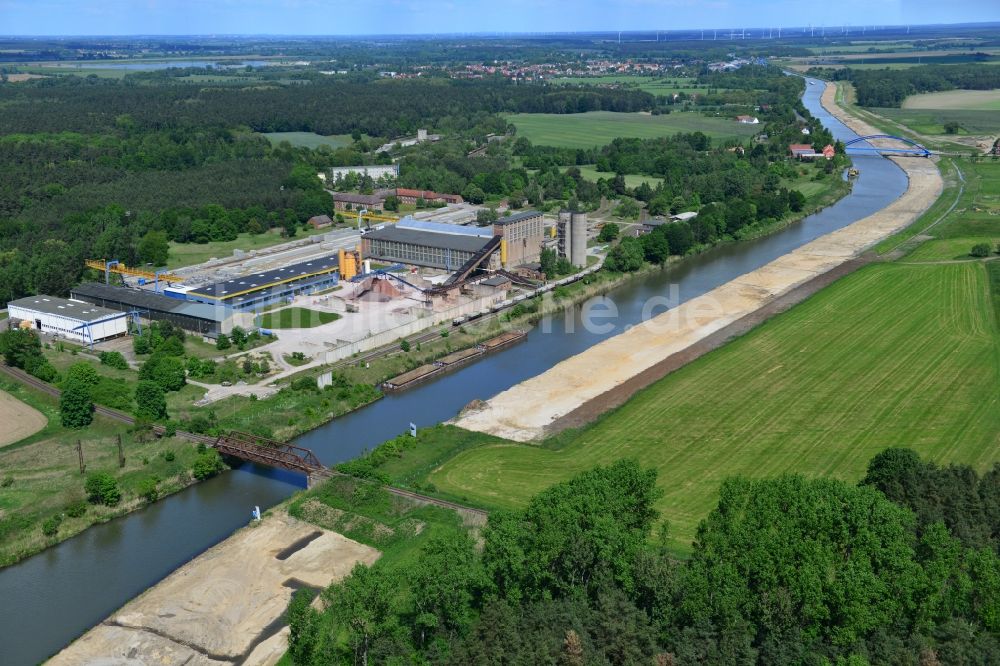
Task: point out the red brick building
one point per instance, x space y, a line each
348 201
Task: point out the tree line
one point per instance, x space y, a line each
889 87
783 571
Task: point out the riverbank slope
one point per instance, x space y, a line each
537 407
227 605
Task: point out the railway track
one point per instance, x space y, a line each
320 472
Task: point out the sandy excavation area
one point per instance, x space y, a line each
225 606
526 412
18 420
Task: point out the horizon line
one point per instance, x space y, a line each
503 33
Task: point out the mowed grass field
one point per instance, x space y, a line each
892 355
309 139
590 172
971 100
975 218
598 128
297 318
931 121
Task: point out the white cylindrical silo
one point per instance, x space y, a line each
578 240
563 233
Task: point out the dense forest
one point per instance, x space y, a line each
902 568
382 108
889 87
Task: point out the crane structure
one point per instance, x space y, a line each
115 266
363 214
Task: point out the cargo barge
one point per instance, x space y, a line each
452 361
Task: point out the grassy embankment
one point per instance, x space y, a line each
598 128
896 354
296 318
40 475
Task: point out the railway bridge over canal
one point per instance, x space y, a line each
245 446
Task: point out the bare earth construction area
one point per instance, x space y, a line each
18 419
227 605
530 410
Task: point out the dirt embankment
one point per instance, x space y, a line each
578 389
225 606
19 420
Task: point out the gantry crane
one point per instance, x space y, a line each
115 266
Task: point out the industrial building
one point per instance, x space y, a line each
428 244
201 318
252 292
408 196
571 232
65 318
374 171
349 201
522 235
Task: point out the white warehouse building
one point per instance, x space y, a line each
65 318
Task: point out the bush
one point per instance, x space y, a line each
45 372
84 373
305 384
222 342
51 525
207 465
980 250
169 456
147 489
7 482
102 488
405 345
114 359
609 232
76 509
141 344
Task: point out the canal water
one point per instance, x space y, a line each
50 599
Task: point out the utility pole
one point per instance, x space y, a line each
121 453
79 452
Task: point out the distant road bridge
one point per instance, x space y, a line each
916 149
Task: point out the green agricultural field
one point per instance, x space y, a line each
893 355
970 100
654 85
932 121
598 128
296 318
309 139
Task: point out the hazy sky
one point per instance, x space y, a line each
342 17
